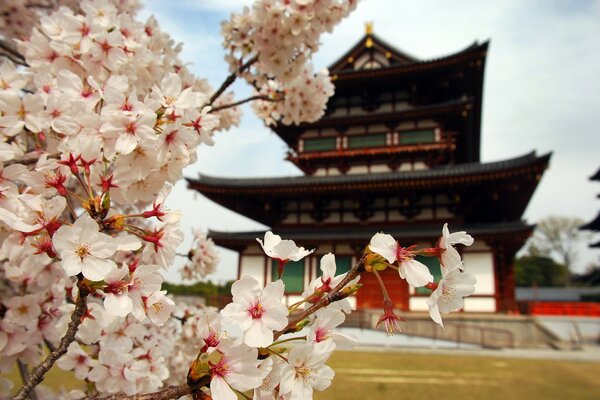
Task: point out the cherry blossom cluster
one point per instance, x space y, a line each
447 295
18 17
277 38
203 258
279 355
284 34
304 100
118 354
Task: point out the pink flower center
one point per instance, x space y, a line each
321 334
219 369
256 310
404 254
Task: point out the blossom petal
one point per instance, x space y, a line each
415 273
384 245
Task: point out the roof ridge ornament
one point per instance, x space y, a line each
369 28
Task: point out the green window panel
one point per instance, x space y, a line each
434 267
343 265
320 144
293 276
414 137
362 141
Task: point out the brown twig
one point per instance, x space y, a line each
249 99
329 298
11 53
38 374
230 79
172 392
24 376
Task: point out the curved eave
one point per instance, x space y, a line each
593 225
472 53
515 231
451 175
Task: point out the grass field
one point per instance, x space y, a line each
397 375
409 376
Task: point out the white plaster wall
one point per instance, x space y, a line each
418 304
425 213
380 168
254 267
349 217
358 169
482 266
305 218
443 213
290 219
405 126
419 165
478 245
321 172
378 216
480 304
426 123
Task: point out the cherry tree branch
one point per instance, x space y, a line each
230 79
12 54
249 99
38 374
332 296
171 392
24 375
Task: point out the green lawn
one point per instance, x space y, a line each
409 376
397 375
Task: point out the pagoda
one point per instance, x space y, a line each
398 151
594 225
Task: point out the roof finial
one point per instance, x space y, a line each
369 28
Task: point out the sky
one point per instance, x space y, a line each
541 92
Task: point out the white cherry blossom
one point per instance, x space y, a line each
416 273
83 249
258 312
450 293
449 257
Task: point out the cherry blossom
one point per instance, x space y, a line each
83 249
417 274
449 257
282 250
237 369
306 371
258 312
450 293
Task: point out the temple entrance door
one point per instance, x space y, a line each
369 296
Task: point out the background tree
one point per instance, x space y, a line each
531 270
557 237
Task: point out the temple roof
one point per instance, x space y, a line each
371 42
515 230
475 51
593 225
488 192
596 176
444 175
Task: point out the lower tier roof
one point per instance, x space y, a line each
486 192
512 233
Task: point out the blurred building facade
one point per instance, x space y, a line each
397 151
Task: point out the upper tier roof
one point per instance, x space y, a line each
400 63
439 176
